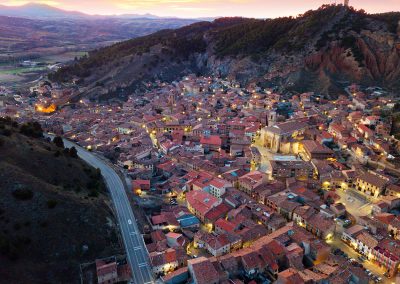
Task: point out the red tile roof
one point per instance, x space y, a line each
211 140
225 225
158 219
103 268
201 201
203 271
217 212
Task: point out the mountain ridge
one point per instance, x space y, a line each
32 10
312 52
25 38
43 11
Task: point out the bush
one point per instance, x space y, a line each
73 152
350 42
51 204
98 173
17 226
7 248
6 132
58 141
23 194
32 129
93 193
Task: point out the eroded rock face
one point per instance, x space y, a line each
349 47
380 64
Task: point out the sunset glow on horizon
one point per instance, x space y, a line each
206 8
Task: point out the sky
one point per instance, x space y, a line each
207 8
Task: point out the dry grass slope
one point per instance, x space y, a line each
50 217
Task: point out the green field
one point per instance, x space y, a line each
12 75
62 57
21 70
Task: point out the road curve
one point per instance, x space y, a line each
134 244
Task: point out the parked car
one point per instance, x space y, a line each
337 251
357 264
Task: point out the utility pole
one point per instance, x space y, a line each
346 3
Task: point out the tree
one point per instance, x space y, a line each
6 132
32 129
73 152
329 201
51 203
98 173
58 141
22 194
396 107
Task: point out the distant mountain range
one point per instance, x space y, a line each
321 50
47 12
33 30
38 11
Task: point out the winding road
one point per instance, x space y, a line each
134 244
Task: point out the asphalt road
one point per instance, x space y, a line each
373 267
134 244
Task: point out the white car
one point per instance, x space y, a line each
129 221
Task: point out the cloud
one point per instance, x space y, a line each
23 2
174 3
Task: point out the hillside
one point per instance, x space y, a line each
23 38
54 211
318 51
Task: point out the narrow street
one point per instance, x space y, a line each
373 267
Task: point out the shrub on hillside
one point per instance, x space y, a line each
73 152
31 129
58 141
22 194
6 132
7 248
51 203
